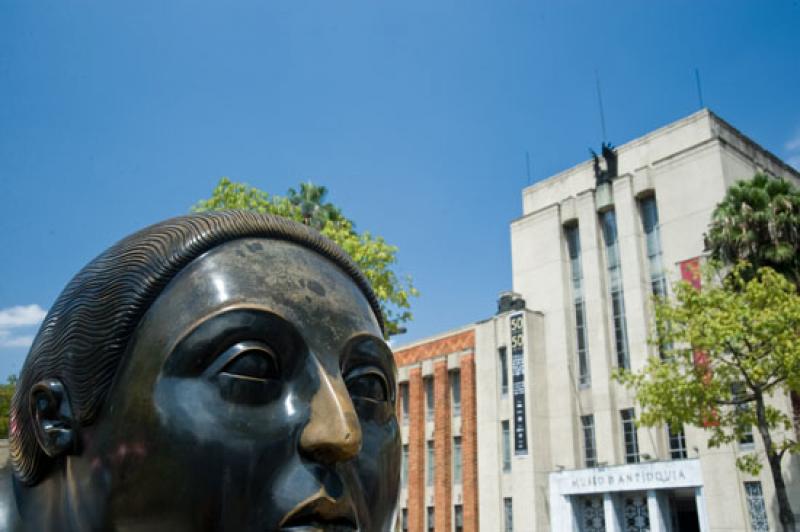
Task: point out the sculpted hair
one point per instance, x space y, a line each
85 334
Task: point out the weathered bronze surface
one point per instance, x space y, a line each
252 391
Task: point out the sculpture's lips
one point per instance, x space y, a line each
323 514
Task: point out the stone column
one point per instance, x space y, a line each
416 451
702 516
658 521
611 514
469 444
442 442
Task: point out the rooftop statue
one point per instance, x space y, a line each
214 372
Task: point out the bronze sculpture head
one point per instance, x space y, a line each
220 371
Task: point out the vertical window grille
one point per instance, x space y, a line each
431 465
629 436
677 442
431 523
457 460
503 354
652 234
756 507
589 450
506 429
404 401
508 515
429 399
455 392
458 514
609 223
576 275
404 470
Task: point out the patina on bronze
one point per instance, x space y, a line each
215 372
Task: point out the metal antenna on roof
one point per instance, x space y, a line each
528 165
600 104
699 87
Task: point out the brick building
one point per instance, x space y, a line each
514 422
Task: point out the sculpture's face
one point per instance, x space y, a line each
257 395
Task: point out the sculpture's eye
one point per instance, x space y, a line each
251 375
367 383
253 362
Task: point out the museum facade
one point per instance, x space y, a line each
514 422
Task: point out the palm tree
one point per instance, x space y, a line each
758 221
310 200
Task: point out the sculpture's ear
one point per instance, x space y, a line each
53 420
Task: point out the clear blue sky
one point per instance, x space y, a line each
416 115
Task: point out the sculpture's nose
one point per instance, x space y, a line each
333 432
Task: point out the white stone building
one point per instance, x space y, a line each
557 448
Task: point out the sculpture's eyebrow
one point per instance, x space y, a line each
369 349
212 335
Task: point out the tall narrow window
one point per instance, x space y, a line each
455 392
503 355
652 235
629 436
609 223
506 429
404 471
431 523
458 514
457 460
756 507
404 401
743 412
508 515
404 520
677 442
429 399
576 274
589 450
431 465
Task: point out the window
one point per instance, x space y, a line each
404 520
743 412
677 442
457 460
430 462
404 401
652 235
455 392
629 436
458 514
589 450
431 523
503 354
429 399
508 515
506 446
756 507
404 470
576 274
609 223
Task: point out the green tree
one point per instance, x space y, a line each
758 221
6 393
727 349
371 253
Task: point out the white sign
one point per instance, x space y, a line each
630 477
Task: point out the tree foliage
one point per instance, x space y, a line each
375 257
726 350
758 221
6 393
